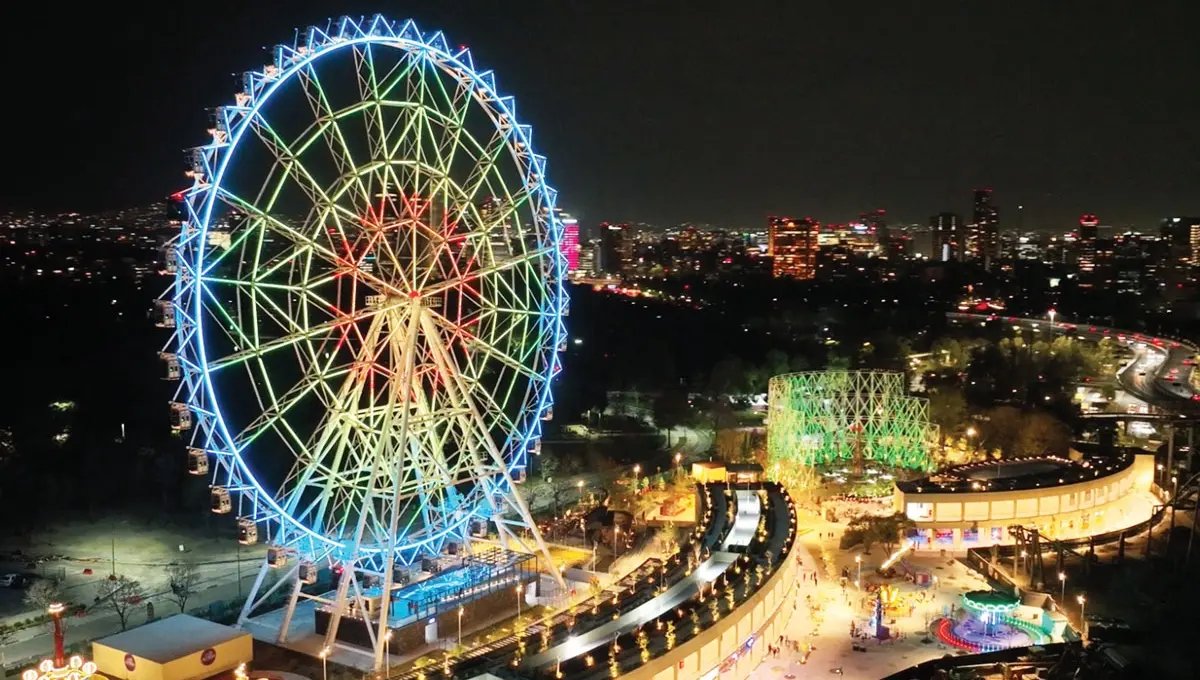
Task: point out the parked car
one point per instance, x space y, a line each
16 580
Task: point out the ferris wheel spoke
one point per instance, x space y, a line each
475 275
301 240
477 344
485 164
446 145
368 92
289 159
329 124
342 426
283 405
306 334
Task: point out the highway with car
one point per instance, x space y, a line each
1160 372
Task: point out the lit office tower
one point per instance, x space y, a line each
570 243
983 238
948 236
792 245
1085 249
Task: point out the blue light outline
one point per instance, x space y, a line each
260 88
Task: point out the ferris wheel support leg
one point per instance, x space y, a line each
290 610
248 607
339 604
448 366
405 350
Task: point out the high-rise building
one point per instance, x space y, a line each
615 242
948 235
1181 248
983 237
792 245
1085 249
570 243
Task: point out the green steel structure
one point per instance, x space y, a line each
823 417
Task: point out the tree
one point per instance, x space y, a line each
776 363
890 531
42 593
121 594
948 410
183 579
951 353
871 529
1042 434
670 409
837 362
1001 427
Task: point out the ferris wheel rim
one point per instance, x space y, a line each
261 89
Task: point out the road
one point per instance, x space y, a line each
1159 374
218 585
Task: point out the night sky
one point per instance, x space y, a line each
660 112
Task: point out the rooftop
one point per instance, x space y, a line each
171 638
1018 474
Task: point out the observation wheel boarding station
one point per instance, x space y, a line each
441 586
367 316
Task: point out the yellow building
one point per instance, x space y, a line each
181 647
973 505
709 472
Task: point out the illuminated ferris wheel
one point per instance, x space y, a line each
367 306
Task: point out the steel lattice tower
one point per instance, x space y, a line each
821 417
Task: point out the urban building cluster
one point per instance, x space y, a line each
1165 259
117 244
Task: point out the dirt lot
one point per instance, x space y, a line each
137 547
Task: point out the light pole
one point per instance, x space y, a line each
1083 617
324 663
520 587
858 577
579 490
1051 314
616 533
460 615
1062 577
387 653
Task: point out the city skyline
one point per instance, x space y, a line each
687 122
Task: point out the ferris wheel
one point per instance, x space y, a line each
367 308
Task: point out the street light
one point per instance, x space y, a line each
1082 617
460 614
520 587
387 653
1051 314
858 578
324 663
1062 576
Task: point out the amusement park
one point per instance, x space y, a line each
367 316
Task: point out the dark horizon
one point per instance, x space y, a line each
664 114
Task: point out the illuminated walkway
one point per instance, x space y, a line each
744 526
746 523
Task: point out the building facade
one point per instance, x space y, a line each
792 245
